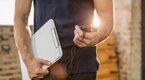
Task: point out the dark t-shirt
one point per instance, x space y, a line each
66 14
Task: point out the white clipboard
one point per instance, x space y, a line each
45 45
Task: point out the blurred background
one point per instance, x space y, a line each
121 56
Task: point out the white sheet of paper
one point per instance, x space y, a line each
45 45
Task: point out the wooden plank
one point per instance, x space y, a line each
108 69
109 78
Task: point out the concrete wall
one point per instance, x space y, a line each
127 30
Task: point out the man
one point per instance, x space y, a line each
79 53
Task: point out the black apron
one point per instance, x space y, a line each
66 14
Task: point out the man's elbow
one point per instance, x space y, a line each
112 25
108 24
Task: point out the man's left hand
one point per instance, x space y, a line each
85 39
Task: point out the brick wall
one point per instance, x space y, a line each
9 63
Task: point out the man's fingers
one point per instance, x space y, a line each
38 75
39 72
79 43
35 69
77 36
79 31
87 42
84 35
43 72
84 39
90 35
44 62
78 40
34 76
83 43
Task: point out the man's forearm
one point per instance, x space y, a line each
104 9
22 39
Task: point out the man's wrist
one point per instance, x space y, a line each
27 58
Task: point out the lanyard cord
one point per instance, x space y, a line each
70 61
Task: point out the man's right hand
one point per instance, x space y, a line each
34 67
